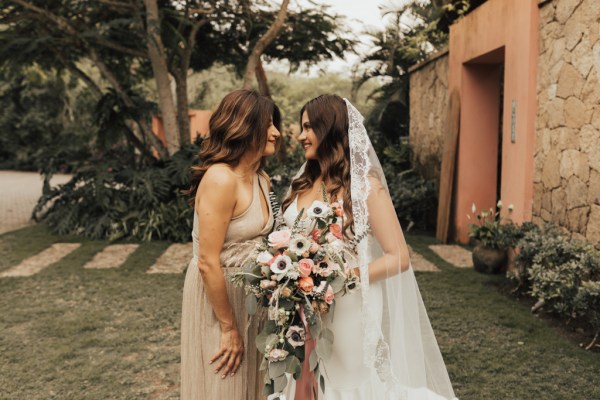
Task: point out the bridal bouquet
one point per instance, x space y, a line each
297 278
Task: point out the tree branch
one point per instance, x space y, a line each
262 44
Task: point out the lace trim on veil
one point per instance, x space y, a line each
375 349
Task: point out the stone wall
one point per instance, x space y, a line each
567 154
428 109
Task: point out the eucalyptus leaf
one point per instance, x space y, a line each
264 364
251 304
315 327
280 383
269 387
324 348
313 360
276 369
286 304
338 284
327 334
292 365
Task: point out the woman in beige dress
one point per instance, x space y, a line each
231 202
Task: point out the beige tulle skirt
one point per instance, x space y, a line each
200 340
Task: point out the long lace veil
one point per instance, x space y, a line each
398 341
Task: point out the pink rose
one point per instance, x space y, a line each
306 284
305 266
338 209
336 230
280 239
316 235
329 295
267 284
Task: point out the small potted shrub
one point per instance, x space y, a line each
491 234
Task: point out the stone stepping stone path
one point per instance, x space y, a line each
38 262
112 256
174 260
420 263
456 255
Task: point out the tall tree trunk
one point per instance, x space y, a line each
180 74
262 44
182 106
261 78
157 55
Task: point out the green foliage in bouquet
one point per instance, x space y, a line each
296 277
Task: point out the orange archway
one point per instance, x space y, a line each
493 57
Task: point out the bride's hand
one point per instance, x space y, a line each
231 352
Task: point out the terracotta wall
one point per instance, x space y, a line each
428 104
198 125
500 32
567 151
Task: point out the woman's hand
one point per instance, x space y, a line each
231 352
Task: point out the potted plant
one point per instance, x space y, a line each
490 235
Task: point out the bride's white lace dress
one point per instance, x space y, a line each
346 375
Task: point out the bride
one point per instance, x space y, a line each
384 345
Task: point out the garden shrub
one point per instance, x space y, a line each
109 199
563 274
415 200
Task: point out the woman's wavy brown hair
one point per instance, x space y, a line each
238 125
328 116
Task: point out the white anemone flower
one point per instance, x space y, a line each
299 245
319 209
281 265
295 336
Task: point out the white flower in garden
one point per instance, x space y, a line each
499 204
264 257
299 245
511 207
281 265
295 336
277 355
473 208
319 209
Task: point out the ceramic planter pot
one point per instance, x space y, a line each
488 260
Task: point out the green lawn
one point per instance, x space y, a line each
70 333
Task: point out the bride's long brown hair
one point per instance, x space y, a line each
238 125
328 116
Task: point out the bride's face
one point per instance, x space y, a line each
308 138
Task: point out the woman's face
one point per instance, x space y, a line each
308 138
272 135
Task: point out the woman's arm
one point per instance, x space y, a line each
215 204
386 229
